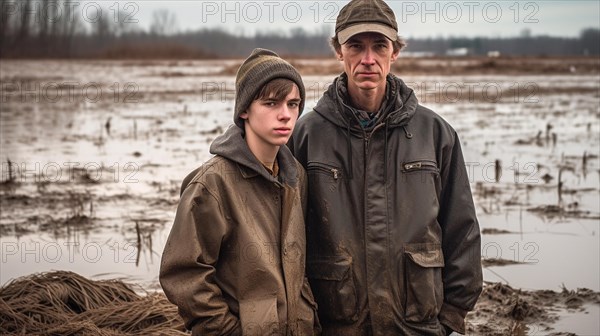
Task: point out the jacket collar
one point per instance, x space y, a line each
233 146
401 103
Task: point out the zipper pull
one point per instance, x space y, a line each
410 166
335 173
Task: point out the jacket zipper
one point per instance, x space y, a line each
335 173
329 170
419 165
367 137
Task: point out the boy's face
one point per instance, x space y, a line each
269 122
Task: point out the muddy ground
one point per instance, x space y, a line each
93 153
503 310
67 303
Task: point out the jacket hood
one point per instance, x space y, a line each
233 146
402 98
401 107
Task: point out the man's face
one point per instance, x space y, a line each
367 60
270 122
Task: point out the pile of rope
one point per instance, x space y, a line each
65 303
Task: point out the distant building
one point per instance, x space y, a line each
457 52
417 54
493 53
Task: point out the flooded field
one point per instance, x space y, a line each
93 154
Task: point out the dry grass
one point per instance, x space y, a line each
65 303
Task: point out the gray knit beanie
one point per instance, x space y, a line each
261 67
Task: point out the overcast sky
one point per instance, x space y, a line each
415 18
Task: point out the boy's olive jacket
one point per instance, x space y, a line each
234 260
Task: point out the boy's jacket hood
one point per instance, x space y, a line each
232 145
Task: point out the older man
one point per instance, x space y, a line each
393 243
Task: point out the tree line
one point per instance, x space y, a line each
26 35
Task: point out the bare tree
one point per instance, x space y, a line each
102 28
590 40
24 29
45 26
164 22
298 33
44 20
7 12
103 32
53 16
125 25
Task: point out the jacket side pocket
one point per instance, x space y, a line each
423 281
332 282
259 316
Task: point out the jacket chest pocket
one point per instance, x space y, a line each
423 265
422 166
324 169
422 179
332 282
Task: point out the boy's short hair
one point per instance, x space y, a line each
277 89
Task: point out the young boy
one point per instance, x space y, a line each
234 260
